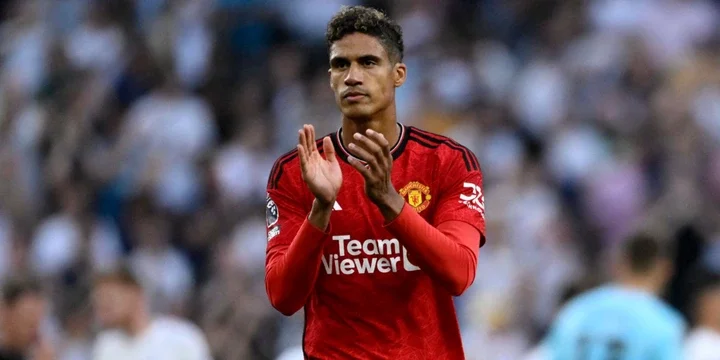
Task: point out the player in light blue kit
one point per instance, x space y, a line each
625 320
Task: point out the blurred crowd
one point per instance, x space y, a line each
143 131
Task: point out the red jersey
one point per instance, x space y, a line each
368 297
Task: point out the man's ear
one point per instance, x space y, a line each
400 74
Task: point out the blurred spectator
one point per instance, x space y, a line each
23 310
163 271
97 44
166 133
74 235
132 331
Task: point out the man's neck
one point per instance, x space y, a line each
709 324
386 125
139 323
640 284
10 344
7 345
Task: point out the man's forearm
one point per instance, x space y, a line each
443 252
320 215
291 276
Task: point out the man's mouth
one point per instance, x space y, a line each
354 95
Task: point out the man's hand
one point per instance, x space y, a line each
375 150
322 175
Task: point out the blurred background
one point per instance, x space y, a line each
144 131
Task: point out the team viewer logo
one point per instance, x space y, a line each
417 195
367 257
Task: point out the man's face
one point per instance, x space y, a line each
114 304
24 318
362 76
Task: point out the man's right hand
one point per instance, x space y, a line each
322 175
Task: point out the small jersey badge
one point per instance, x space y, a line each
271 212
417 195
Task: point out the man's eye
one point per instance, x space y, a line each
369 63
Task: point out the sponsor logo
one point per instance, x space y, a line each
336 207
271 212
367 257
474 201
275 231
417 195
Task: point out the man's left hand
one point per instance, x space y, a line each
374 149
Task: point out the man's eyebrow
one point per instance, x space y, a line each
336 59
374 58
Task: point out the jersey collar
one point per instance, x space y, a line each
395 151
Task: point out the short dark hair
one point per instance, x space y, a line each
122 274
369 21
642 252
14 288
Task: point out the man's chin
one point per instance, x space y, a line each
359 113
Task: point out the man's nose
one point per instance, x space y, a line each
354 76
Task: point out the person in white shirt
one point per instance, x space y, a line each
131 332
703 343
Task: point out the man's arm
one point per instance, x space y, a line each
447 251
296 238
292 267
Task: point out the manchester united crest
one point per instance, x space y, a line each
417 195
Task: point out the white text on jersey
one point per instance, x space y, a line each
366 257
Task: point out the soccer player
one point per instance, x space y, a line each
132 333
625 320
23 309
374 228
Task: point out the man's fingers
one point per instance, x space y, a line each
312 137
329 148
308 139
374 149
303 148
361 167
303 140
303 157
369 144
363 154
301 137
380 140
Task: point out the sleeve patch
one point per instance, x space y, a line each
474 201
271 212
273 233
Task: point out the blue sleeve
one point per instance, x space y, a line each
558 339
671 348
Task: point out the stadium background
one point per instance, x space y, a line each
145 130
